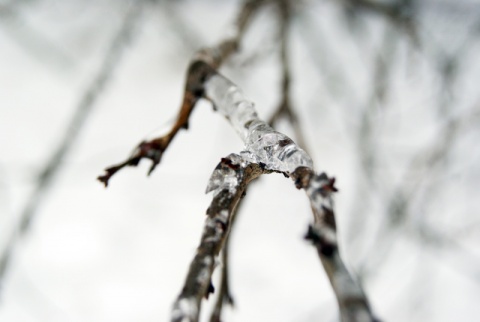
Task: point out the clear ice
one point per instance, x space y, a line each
225 178
262 143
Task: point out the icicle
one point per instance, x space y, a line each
225 177
262 143
275 149
231 103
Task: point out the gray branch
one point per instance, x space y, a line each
278 153
265 151
236 173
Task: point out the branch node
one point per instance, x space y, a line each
301 177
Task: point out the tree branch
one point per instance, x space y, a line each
266 150
224 295
203 64
229 182
275 152
284 108
400 13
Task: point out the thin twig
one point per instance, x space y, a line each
30 38
430 161
284 108
188 38
366 139
399 13
202 65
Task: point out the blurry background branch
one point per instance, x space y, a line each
31 40
284 108
73 130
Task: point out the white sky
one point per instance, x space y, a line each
121 254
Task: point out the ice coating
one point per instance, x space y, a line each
231 103
185 310
222 179
225 177
204 274
275 149
262 143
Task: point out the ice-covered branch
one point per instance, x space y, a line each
262 143
284 108
228 183
202 65
277 152
266 150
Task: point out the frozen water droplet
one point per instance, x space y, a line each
276 150
225 177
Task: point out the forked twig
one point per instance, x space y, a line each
203 64
272 151
266 151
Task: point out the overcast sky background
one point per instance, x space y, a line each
122 253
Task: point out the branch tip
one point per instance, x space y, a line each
152 150
328 188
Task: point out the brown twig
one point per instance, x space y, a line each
224 296
204 63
